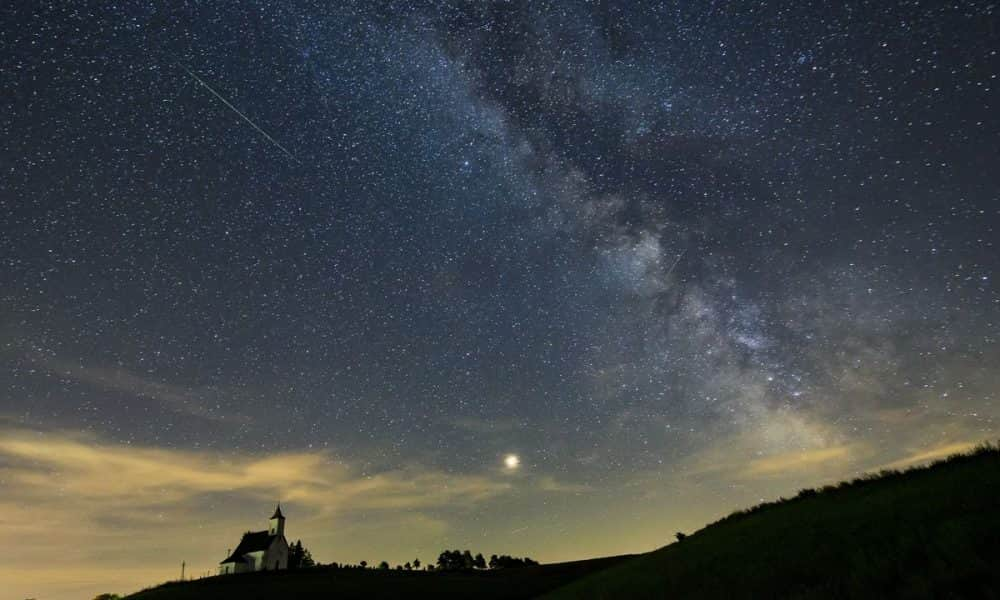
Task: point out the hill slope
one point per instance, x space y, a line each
926 533
526 582
931 532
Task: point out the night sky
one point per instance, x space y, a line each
678 258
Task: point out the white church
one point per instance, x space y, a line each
260 550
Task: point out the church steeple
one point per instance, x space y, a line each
276 526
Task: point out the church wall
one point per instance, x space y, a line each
278 552
232 568
257 559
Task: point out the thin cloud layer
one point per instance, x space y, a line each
81 499
40 466
187 400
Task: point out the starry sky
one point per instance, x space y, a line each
677 257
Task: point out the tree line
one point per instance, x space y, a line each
449 560
456 560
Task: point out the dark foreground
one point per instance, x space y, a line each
926 533
526 582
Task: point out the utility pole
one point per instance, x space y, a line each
183 564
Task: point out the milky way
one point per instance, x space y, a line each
677 258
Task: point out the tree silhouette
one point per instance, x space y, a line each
454 560
295 554
450 560
364 564
299 557
416 563
510 562
383 566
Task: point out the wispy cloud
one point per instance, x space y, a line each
53 465
196 401
776 443
95 504
798 461
547 483
926 455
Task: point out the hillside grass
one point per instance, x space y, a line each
322 582
930 532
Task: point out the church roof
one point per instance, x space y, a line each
234 559
253 541
277 513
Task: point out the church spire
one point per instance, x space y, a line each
276 525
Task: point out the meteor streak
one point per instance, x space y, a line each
242 116
677 260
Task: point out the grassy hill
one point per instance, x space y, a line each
525 582
932 532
